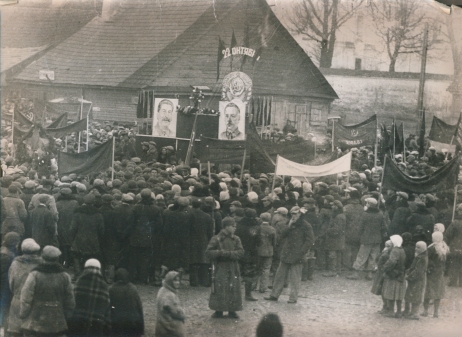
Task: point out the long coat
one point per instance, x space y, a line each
377 283
15 215
44 230
146 217
47 299
176 233
394 287
422 217
453 235
335 232
417 279
353 212
110 241
19 270
435 275
66 207
201 233
170 314
126 310
370 227
87 230
225 250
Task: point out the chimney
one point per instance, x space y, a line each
109 9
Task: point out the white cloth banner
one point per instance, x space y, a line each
289 168
440 146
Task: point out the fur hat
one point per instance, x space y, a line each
50 253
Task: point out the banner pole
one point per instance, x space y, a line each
113 153
333 131
208 170
381 181
12 135
404 146
455 203
376 140
450 144
243 161
394 138
274 177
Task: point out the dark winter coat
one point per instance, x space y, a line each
416 277
110 243
201 233
47 299
353 212
379 275
44 229
325 214
13 214
371 226
66 207
87 230
298 239
225 250
216 217
126 307
146 218
399 222
453 235
248 230
422 217
394 267
335 232
268 240
19 270
177 236
435 275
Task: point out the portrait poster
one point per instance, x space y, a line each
231 125
164 117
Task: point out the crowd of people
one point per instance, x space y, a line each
159 223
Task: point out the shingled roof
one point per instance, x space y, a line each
173 44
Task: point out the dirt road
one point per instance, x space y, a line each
326 307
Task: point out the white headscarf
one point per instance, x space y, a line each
397 240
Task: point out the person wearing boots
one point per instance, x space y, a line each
335 239
299 238
265 250
394 287
436 284
311 217
370 238
416 277
248 230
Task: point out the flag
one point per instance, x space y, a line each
233 44
400 148
94 160
348 136
422 135
290 168
221 47
268 111
222 151
59 122
80 125
442 132
443 178
20 133
246 44
394 139
260 160
21 119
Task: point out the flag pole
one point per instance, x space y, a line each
88 137
12 134
81 114
455 203
333 130
274 178
113 153
243 161
381 181
404 146
208 170
394 137
376 140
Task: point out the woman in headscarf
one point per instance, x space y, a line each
439 227
19 270
394 287
417 279
92 306
437 253
377 284
8 252
126 307
170 314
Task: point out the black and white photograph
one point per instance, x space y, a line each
218 168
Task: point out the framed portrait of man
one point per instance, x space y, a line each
164 117
231 125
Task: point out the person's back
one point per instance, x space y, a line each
269 326
44 230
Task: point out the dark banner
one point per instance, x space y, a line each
94 160
362 134
74 127
441 131
60 122
222 151
443 178
21 119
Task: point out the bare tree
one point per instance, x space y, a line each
400 24
319 20
453 23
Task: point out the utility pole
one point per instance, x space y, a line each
423 64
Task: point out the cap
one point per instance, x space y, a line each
30 184
50 253
145 193
66 191
371 201
183 201
295 210
265 217
107 197
250 213
338 204
403 195
236 203
282 210
93 263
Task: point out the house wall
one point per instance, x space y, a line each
361 96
